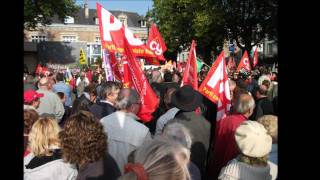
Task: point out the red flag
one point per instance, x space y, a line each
126 74
38 69
216 86
244 63
153 61
112 32
116 66
190 72
156 43
255 58
149 99
231 63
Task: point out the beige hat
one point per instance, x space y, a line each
252 139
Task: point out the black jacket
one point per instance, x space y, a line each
101 109
103 169
82 103
263 107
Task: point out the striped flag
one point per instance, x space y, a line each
216 86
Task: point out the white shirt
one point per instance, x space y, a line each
163 120
125 134
79 80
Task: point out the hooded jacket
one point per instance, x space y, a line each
48 168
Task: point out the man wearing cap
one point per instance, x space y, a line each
31 99
50 103
188 100
224 145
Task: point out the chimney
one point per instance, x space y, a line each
86 10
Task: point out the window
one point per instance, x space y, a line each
98 40
69 38
269 49
69 20
143 23
38 38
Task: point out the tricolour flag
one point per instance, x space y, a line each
112 32
255 58
155 43
190 72
244 63
149 99
216 86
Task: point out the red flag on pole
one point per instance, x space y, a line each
244 63
149 99
115 66
126 74
255 58
216 86
190 73
112 32
156 43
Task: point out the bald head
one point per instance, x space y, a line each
245 105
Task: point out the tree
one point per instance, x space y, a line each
41 11
210 23
249 22
180 21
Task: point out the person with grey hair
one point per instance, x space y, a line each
50 103
225 148
125 133
106 105
177 132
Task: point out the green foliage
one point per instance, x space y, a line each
41 11
249 21
211 22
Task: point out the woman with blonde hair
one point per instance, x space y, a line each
270 122
44 161
158 159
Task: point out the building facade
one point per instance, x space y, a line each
74 32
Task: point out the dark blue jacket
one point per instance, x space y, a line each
101 109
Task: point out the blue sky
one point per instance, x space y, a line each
138 6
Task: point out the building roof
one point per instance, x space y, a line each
132 21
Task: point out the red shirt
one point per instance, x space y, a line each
225 147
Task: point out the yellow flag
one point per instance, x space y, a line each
83 59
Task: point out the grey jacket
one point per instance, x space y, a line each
50 103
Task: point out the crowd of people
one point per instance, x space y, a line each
87 128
